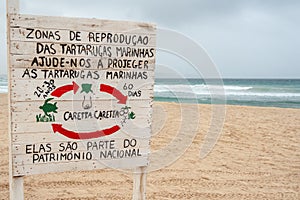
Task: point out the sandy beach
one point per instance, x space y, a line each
257 157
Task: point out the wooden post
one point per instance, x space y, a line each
16 191
139 184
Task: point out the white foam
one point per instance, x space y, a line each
3 89
229 90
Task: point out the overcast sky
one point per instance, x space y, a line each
244 38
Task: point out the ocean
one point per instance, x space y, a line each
283 93
3 84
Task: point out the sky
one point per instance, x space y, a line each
245 39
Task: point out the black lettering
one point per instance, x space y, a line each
57 35
33 73
35 62
45 48
73 62
26 73
35 157
89 156
93 37
29 34
100 64
109 37
63 48
53 49
48 145
39 48
62 147
96 75
75 35
28 148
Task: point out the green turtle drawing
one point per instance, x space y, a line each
86 87
131 115
49 107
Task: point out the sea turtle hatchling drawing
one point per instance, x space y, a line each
86 87
49 107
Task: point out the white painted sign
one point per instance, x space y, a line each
81 93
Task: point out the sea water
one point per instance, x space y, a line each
283 93
250 92
3 84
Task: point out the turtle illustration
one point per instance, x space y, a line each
48 107
131 115
86 87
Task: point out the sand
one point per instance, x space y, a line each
257 157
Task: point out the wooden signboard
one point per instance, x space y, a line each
81 93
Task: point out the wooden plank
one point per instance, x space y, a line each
93 38
55 168
141 108
82 125
71 156
80 62
70 75
82 24
131 127
139 95
23 117
40 90
102 104
78 166
44 137
63 49
95 84
16 188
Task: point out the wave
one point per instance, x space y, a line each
3 89
229 90
199 87
3 84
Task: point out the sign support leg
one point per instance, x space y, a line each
139 184
16 190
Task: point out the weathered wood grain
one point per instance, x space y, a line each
70 91
92 37
82 24
21 170
99 63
